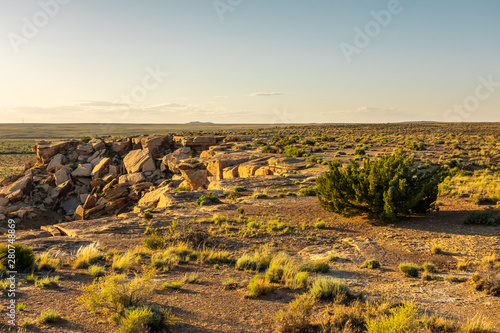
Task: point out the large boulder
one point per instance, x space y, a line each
195 174
45 150
156 144
101 169
135 160
249 168
173 159
154 198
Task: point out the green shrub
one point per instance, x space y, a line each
301 278
359 151
154 241
383 189
20 306
258 286
185 188
230 284
317 266
87 255
23 256
176 285
403 319
142 318
409 269
485 217
49 316
429 267
114 293
240 210
283 268
85 139
124 262
97 271
320 225
436 250
259 260
371 264
307 192
47 261
208 199
488 282
414 145
148 216
269 150
292 151
47 282
323 288
30 278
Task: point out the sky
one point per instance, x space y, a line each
249 61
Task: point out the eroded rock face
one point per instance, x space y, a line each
101 169
195 174
137 159
216 166
174 159
197 143
45 150
154 198
156 144
120 146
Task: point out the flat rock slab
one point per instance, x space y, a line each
79 229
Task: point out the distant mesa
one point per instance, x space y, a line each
199 122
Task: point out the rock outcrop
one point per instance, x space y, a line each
84 180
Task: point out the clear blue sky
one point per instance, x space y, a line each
253 61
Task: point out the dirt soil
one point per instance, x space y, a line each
208 307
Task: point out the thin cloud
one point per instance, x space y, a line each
266 94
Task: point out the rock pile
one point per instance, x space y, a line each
83 180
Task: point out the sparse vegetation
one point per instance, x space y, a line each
208 199
114 293
409 269
323 288
24 257
87 255
258 286
49 316
371 264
